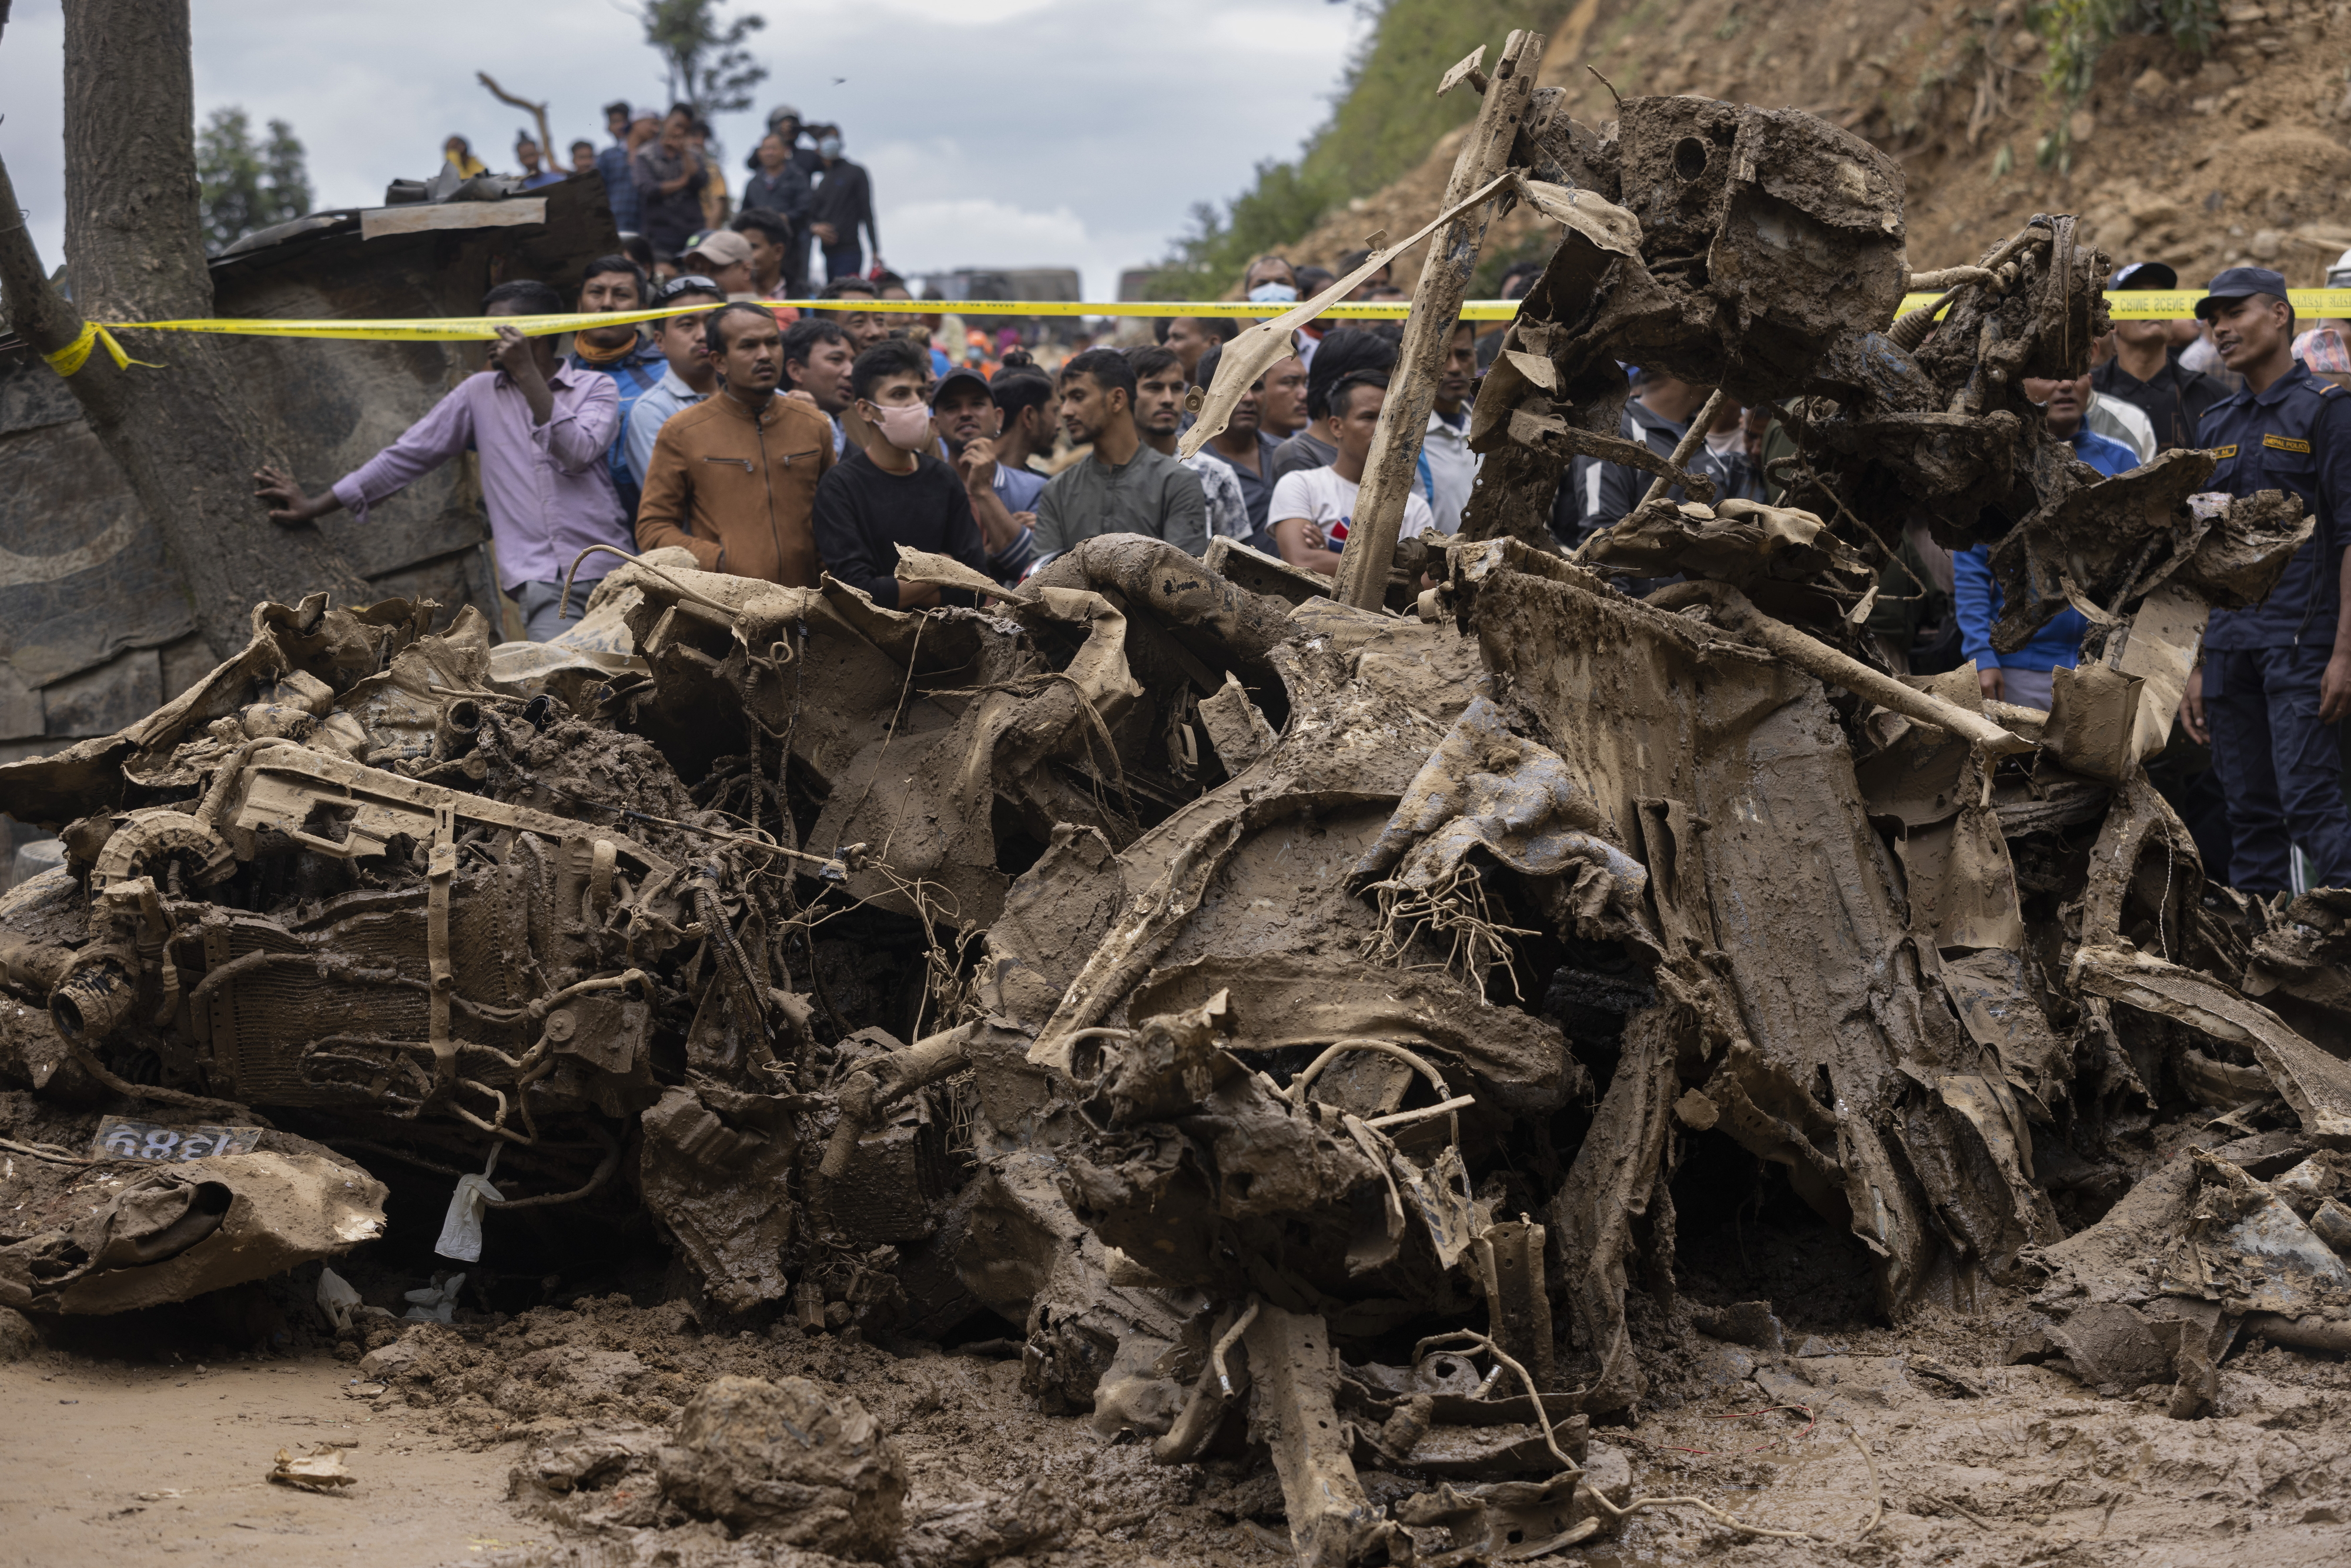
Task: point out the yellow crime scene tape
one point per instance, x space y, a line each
2168 305
2129 305
465 329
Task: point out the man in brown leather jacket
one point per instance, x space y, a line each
734 477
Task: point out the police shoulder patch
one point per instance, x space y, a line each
2285 443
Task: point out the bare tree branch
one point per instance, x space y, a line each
538 112
41 316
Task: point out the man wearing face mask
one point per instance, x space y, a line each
841 205
1271 281
894 492
734 478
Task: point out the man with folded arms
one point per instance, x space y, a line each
733 479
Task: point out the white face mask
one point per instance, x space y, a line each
1727 443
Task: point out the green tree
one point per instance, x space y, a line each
708 65
1283 204
1386 114
244 184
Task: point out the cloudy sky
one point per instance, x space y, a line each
999 132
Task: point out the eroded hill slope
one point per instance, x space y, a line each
2204 161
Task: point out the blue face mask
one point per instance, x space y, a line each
1273 294
829 146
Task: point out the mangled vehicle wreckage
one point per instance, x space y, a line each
1292 1016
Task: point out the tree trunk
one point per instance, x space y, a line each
188 436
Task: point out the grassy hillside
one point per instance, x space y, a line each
1382 122
1388 112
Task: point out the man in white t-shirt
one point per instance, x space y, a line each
1314 509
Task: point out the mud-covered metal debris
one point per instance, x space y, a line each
1290 1018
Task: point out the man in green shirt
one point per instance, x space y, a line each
1125 486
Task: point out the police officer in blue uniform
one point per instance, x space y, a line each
2277 677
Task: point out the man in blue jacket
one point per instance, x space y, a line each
2022 677
2277 678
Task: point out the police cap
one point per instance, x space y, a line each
2236 283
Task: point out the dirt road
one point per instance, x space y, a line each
1977 1463
121 1462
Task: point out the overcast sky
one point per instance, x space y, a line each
999 132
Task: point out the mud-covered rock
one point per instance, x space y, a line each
785 1459
17 1340
386 1361
1752 1323
591 1478
954 1524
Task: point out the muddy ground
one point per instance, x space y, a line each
133 1441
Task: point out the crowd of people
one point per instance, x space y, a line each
803 204
789 448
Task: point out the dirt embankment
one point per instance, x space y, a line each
2237 156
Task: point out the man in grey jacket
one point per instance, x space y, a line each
1125 486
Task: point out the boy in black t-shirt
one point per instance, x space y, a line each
894 492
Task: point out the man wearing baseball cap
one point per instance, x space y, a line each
723 256
2277 677
964 416
2143 373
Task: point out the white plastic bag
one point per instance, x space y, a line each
336 1299
461 1228
437 1303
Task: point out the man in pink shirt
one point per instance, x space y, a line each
541 430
